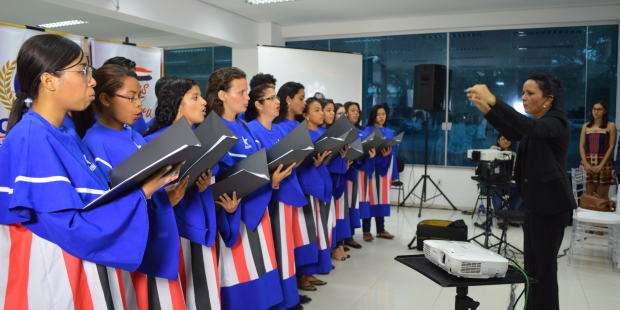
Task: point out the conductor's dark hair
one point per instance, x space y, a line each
288 90
40 54
170 98
121 61
262 78
550 86
256 94
221 80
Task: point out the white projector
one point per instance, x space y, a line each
464 259
489 155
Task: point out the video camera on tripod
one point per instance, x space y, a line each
494 166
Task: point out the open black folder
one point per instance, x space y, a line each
392 142
292 148
373 140
355 150
174 145
216 139
246 176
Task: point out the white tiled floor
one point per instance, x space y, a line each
372 279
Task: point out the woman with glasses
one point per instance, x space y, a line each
50 244
263 108
596 147
111 140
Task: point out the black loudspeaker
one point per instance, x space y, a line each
429 87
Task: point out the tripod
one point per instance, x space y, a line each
488 189
425 177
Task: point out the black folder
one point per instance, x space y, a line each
293 148
330 143
246 176
338 128
216 139
174 145
373 140
355 150
392 142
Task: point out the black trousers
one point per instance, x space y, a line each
542 237
379 221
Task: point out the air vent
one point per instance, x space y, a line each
470 268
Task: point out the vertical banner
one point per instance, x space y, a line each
11 39
149 66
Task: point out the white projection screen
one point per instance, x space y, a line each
337 75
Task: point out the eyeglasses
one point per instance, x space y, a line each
87 72
272 98
131 99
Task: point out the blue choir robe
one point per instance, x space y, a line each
110 147
248 229
384 173
47 176
304 221
290 195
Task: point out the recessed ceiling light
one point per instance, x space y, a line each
63 23
256 2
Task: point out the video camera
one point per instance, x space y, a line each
494 166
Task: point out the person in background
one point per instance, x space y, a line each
514 199
357 185
540 174
384 173
596 147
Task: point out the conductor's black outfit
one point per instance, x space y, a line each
547 197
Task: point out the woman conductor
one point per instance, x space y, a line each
540 173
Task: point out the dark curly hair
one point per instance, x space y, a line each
373 114
256 94
171 95
262 78
220 80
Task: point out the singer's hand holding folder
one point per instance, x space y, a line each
174 145
356 150
373 140
392 142
293 148
244 177
216 140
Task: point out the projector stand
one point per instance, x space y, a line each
464 302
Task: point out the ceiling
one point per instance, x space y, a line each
35 12
316 11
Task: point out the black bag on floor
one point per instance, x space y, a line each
440 230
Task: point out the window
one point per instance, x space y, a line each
197 63
583 58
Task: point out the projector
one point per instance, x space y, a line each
465 260
489 155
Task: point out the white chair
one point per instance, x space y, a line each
595 230
578 182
